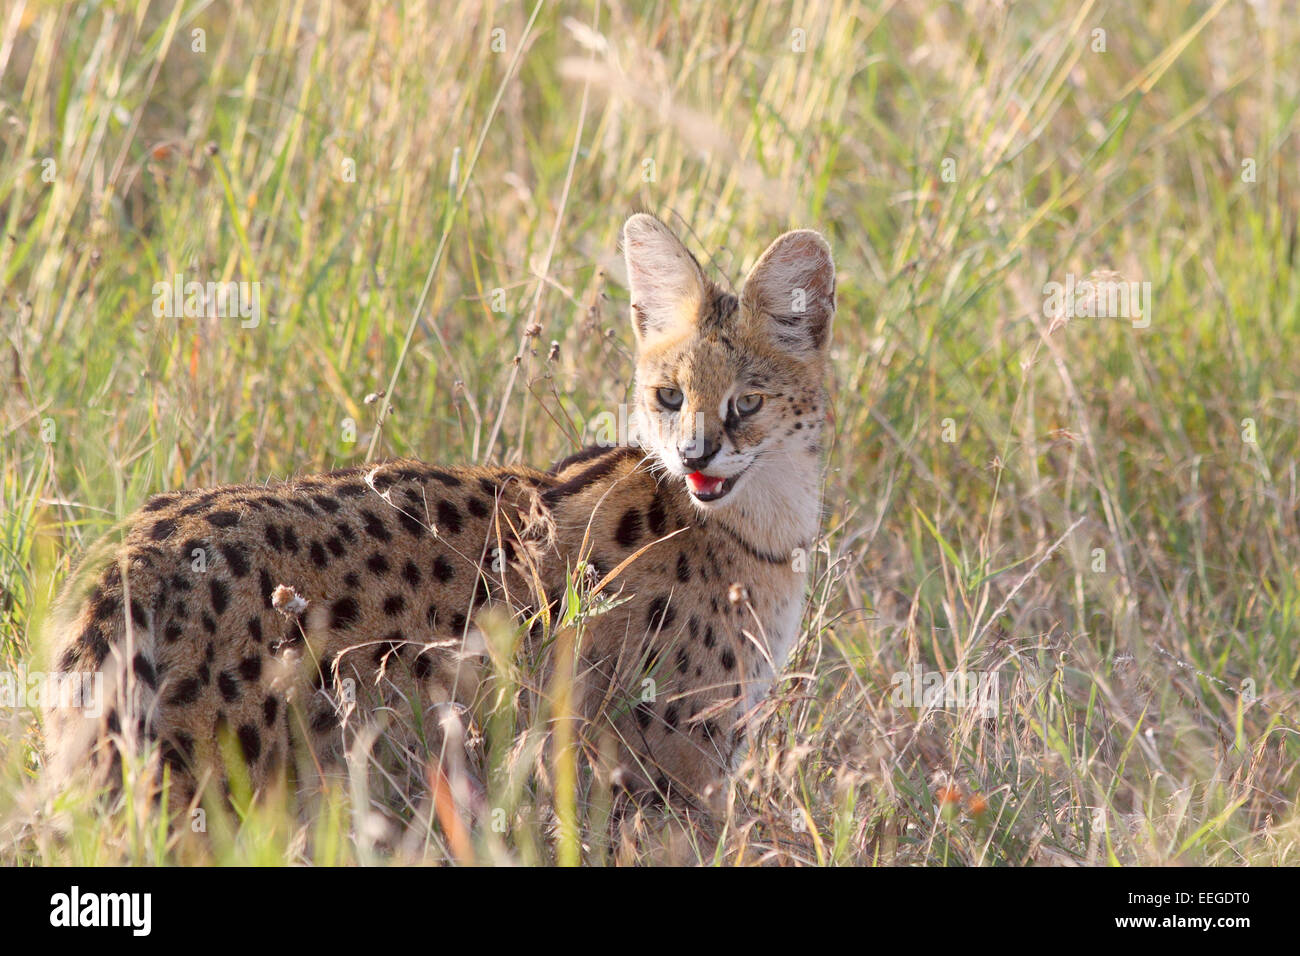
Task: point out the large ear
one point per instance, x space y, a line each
666 283
792 291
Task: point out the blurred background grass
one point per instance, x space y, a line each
958 157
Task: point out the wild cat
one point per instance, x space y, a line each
254 629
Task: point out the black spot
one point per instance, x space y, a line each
709 639
255 629
449 517
138 617
335 544
644 714
431 615
159 502
424 665
269 708
223 519
477 507
327 503
351 490
728 658
451 481
144 670
273 537
173 757
103 606
392 644
458 623
346 532
250 668
202 503
683 660
186 692
374 526
394 605
660 614
670 716
171 633
290 540
324 673
162 529
629 528
235 560
178 583
683 568
209 625
228 686
352 580
325 721
304 506
442 569
411 525
344 613
250 742
411 574
377 564
220 595
655 516
318 555
488 487
267 585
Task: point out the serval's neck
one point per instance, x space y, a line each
777 513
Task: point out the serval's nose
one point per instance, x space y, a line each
697 452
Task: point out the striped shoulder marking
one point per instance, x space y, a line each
603 465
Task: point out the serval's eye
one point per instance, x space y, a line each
670 397
749 404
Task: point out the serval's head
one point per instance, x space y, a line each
729 392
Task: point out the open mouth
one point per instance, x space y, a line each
709 488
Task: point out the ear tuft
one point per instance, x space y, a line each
666 282
792 290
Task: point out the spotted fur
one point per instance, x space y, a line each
253 628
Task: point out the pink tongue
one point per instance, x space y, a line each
704 484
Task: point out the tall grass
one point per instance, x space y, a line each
1103 515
